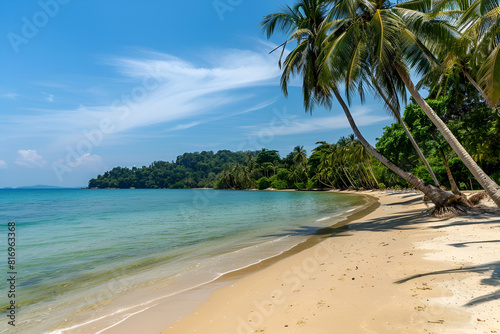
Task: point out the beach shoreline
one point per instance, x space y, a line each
153 318
394 270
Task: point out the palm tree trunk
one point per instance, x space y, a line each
341 178
328 185
454 187
349 177
405 128
479 89
491 188
373 174
438 196
419 151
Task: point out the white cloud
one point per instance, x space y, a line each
167 90
49 97
12 96
29 158
87 159
185 126
3 164
206 120
293 124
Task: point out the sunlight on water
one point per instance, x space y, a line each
79 250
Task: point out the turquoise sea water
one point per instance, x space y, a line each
81 254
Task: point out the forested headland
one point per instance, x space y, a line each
345 164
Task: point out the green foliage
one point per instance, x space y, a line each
345 164
311 184
190 170
263 183
395 146
300 186
269 156
279 184
475 126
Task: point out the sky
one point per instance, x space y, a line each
86 86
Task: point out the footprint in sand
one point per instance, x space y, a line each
302 322
321 303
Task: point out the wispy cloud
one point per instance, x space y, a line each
3 164
168 89
29 158
11 96
185 126
218 118
49 97
295 125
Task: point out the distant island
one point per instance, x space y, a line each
38 186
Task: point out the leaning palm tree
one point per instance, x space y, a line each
477 51
308 24
395 36
387 90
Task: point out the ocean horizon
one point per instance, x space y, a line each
97 256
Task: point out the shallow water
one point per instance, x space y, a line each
79 251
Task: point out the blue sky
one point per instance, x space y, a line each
89 85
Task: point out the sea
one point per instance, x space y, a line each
93 258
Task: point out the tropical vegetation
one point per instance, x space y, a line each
374 44
449 140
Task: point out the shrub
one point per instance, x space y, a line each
381 186
178 185
397 187
279 184
283 174
263 183
300 185
311 184
273 178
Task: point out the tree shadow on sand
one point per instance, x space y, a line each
407 220
493 280
410 220
404 221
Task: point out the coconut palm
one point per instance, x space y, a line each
361 156
477 51
385 89
393 36
308 23
299 156
328 169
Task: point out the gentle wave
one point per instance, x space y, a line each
86 251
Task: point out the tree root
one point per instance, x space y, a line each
477 197
455 206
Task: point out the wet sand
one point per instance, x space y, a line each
395 270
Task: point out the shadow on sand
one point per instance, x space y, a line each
410 220
493 280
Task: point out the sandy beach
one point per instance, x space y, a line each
395 270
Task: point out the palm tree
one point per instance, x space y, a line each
392 36
477 51
300 156
361 156
328 168
308 23
389 95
